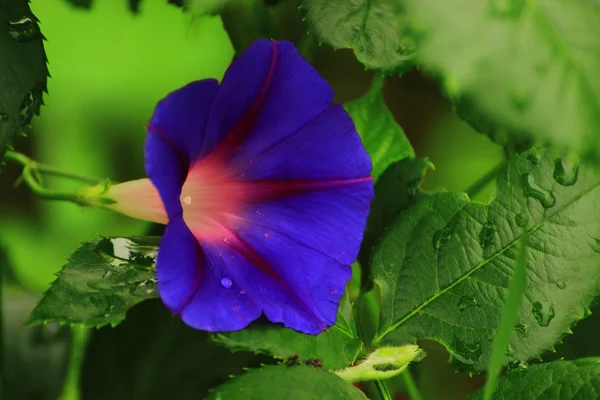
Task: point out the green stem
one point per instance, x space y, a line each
308 45
79 339
25 161
383 391
482 182
411 386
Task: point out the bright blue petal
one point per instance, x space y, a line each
328 147
175 134
267 93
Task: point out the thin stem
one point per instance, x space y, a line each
383 391
484 180
2 353
308 45
79 339
25 161
411 386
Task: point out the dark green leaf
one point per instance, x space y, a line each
381 135
335 349
558 380
289 382
374 29
154 356
102 280
23 70
444 265
81 3
396 190
532 68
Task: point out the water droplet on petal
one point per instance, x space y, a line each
532 189
566 172
543 314
441 237
266 235
227 283
187 200
466 302
23 29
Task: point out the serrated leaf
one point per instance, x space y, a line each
152 355
530 67
381 135
396 190
444 265
23 70
374 29
334 349
292 382
558 380
102 280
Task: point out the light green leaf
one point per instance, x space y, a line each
282 381
382 137
444 265
102 280
558 380
23 70
374 29
532 68
335 349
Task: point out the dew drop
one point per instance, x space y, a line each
561 285
566 172
441 237
187 200
266 235
543 314
466 302
510 351
227 283
29 106
522 329
532 189
534 157
466 355
107 274
23 29
520 101
486 235
522 220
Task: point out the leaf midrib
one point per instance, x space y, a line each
392 327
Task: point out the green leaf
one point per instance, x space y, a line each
155 356
299 382
530 67
381 135
558 380
444 265
374 29
23 70
102 280
335 349
396 190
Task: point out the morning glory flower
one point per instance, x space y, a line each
265 188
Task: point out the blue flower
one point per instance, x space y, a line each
265 187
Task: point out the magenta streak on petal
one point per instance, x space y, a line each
250 254
183 159
235 138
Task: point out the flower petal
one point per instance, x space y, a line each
327 147
175 135
267 93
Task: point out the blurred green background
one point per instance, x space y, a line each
109 68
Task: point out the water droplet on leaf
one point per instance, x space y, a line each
520 101
522 329
561 285
566 172
23 29
543 314
441 237
467 301
532 189
29 105
595 244
227 283
486 235
534 157
522 220
466 355
3 117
